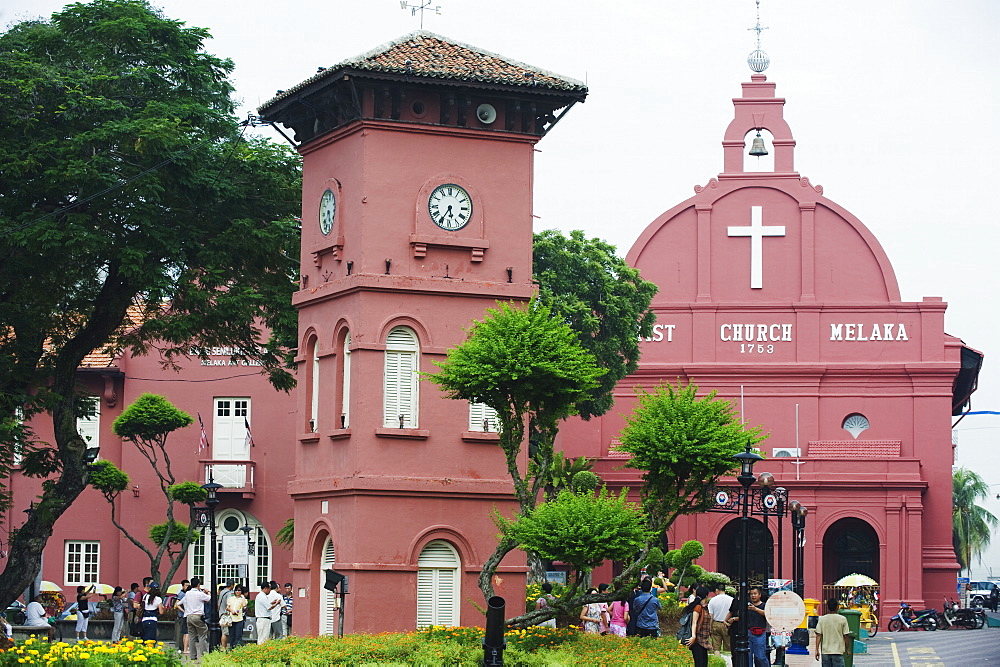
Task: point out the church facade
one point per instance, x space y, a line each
417 203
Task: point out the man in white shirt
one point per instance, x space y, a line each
718 607
36 617
267 608
193 605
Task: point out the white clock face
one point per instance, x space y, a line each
327 209
450 206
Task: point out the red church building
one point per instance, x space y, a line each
417 216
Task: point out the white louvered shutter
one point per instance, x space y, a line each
89 425
400 379
438 585
314 389
480 413
327 599
345 407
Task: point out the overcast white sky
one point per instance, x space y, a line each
893 105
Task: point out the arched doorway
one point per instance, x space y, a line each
233 523
328 600
760 554
438 585
849 546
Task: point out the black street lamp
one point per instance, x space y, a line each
214 629
781 494
798 513
747 459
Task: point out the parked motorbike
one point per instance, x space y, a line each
909 619
954 615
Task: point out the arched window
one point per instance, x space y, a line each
327 599
345 383
232 522
313 384
855 424
482 418
402 352
438 585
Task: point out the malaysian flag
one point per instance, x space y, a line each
249 442
204 435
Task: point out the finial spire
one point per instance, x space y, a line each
758 60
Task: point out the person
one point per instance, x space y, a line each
994 599
701 626
757 629
7 630
193 604
83 594
36 617
605 616
225 590
185 637
132 614
265 604
118 602
152 608
545 601
591 615
718 607
286 611
277 626
618 610
833 636
643 608
236 605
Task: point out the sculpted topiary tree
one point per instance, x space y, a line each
146 423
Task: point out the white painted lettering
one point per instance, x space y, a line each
775 328
861 332
670 331
722 332
737 332
876 332
888 331
786 332
761 332
902 332
836 332
849 332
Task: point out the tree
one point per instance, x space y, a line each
972 524
134 216
683 444
524 364
147 423
602 298
582 529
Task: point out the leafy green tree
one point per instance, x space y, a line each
147 423
603 299
682 444
524 364
134 216
972 524
582 529
682 561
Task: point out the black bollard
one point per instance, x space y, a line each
494 643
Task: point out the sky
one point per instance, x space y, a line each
893 105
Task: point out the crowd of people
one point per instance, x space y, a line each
137 612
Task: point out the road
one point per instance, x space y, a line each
943 648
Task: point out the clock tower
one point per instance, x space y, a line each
416 218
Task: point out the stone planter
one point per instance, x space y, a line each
166 631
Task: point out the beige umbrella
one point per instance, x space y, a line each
49 587
856 580
173 589
103 589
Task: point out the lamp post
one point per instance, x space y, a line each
766 481
247 529
746 459
782 494
798 513
214 629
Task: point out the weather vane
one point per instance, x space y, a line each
758 60
424 5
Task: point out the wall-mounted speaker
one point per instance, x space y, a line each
486 113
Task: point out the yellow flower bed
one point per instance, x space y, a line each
35 651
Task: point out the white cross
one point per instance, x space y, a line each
757 231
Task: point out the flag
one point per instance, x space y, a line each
204 435
249 442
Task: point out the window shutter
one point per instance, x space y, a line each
437 585
400 384
327 599
89 425
314 387
345 408
479 413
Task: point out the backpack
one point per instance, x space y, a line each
684 632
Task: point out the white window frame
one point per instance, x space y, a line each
82 562
345 393
480 412
401 382
314 388
438 585
89 425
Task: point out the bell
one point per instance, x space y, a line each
757 147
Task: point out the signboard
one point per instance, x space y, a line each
785 611
775 585
235 549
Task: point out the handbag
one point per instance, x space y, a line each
225 620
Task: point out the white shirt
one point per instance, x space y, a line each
194 601
262 605
719 606
34 614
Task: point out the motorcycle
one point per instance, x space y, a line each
954 615
925 619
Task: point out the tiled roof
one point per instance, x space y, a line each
427 55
